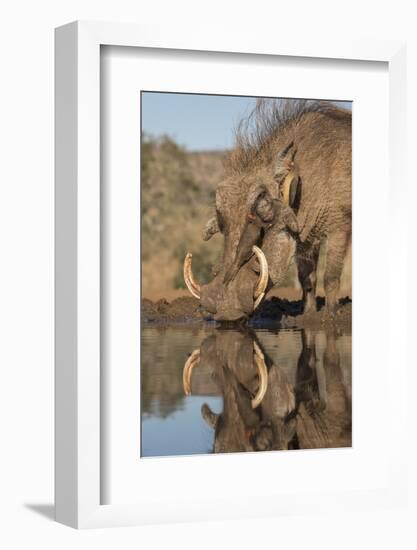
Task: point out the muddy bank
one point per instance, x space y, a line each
273 312
181 310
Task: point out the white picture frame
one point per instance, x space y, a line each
78 320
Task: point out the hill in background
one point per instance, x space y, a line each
178 195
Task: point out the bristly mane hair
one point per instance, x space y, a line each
255 135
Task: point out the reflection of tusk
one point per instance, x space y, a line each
260 288
191 362
263 376
192 286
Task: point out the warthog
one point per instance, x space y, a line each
287 189
261 409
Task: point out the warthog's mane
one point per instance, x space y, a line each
256 134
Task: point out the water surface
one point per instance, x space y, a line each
305 386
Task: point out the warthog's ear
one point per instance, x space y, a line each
211 228
287 177
209 416
284 162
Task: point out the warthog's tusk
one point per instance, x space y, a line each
194 359
263 276
192 286
263 376
191 362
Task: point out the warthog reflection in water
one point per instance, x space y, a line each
262 409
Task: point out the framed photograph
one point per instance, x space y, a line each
226 275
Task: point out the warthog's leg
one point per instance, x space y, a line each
307 257
337 245
320 341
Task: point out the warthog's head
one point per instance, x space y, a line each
257 399
255 216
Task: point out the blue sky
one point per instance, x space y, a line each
198 122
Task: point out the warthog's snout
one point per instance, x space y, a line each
233 300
